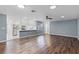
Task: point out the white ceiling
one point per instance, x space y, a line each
69 11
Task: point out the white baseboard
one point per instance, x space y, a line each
4 41
30 36
65 35
21 37
40 34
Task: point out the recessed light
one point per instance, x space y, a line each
52 7
62 16
20 6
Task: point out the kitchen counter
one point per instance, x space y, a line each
27 30
26 33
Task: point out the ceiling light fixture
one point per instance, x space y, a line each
52 7
62 16
33 10
20 6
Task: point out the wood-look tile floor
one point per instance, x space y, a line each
44 44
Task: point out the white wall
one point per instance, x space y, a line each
9 28
10 21
47 26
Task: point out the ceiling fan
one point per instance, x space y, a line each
48 18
